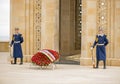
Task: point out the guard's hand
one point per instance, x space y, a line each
91 48
10 46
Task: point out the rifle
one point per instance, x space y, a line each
93 60
11 57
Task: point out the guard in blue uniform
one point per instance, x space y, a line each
17 39
100 43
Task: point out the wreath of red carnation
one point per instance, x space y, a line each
45 57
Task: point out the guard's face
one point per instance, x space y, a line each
101 32
16 30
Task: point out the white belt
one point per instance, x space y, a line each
100 44
16 41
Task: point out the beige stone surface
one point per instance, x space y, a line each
63 74
49 25
4 46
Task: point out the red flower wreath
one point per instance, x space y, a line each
45 57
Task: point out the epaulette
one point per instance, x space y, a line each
13 37
96 39
105 35
20 34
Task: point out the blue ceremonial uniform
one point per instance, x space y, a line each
101 42
17 39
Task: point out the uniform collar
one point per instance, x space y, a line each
100 34
17 34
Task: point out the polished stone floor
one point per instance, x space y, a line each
63 74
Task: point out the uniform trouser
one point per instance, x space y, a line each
21 60
104 63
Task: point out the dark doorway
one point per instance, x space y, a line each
70 31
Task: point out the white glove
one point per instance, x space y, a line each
9 46
91 48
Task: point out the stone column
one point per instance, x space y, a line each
114 59
88 30
50 24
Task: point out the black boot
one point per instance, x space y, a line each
97 64
104 62
15 59
21 61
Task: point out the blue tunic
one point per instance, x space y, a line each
17 39
101 42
